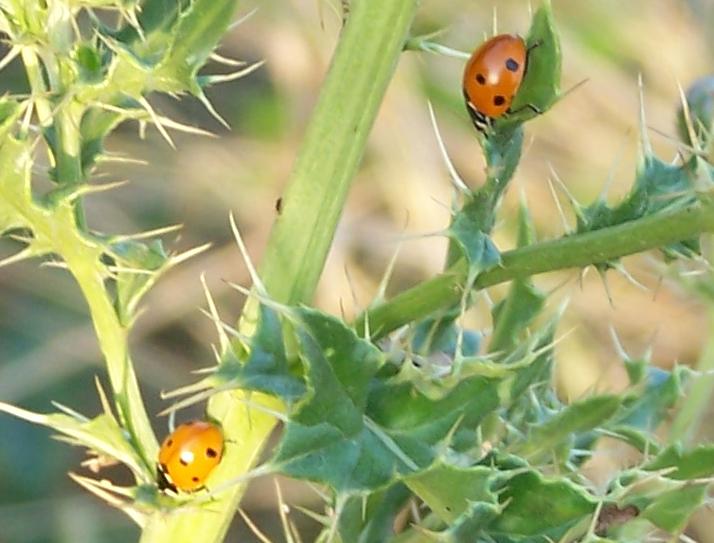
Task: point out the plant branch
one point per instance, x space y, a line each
361 69
575 251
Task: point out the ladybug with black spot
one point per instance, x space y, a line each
492 77
188 456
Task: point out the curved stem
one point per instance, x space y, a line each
575 251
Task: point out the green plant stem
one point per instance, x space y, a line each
60 232
362 66
575 251
83 261
334 143
696 403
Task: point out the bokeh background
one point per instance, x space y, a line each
402 193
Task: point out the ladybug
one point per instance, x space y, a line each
492 77
188 455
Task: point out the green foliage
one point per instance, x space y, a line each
83 87
658 188
428 418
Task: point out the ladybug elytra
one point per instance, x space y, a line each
492 77
189 454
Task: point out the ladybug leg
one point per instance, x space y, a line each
528 54
533 46
163 482
535 109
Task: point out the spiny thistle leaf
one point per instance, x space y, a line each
658 187
513 314
566 424
265 368
541 83
671 510
131 286
327 437
420 421
697 463
538 374
193 39
440 335
371 518
540 506
15 192
156 18
665 502
472 523
540 87
646 405
101 434
470 232
448 490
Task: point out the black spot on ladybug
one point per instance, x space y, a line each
211 453
194 479
169 442
499 100
512 65
183 462
481 79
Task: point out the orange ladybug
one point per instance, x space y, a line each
492 77
188 455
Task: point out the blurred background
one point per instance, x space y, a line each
47 345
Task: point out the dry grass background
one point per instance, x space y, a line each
47 346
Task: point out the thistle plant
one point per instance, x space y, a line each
404 413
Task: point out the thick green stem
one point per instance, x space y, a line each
362 66
569 252
313 200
